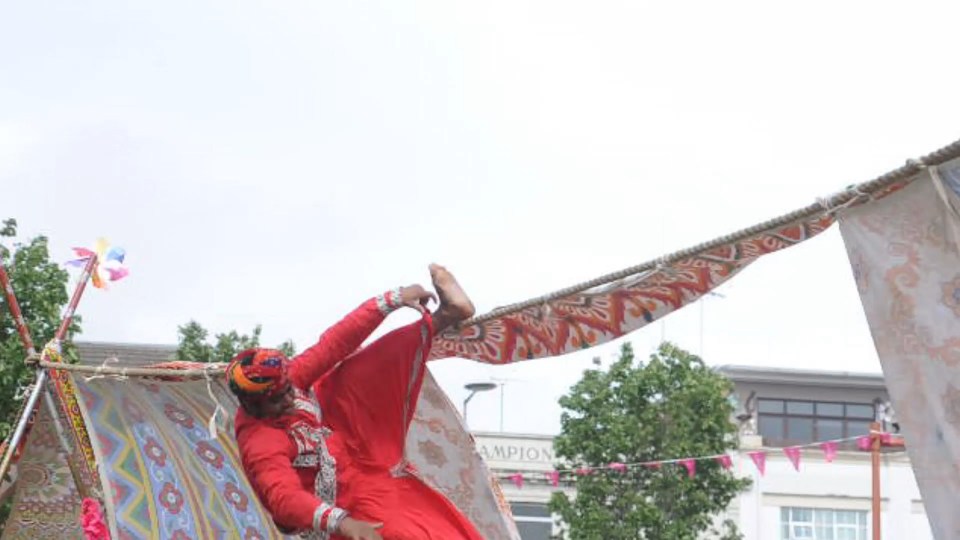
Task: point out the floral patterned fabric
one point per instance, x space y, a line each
445 457
905 254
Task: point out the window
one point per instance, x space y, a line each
533 520
786 422
822 524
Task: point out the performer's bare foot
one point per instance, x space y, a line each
455 305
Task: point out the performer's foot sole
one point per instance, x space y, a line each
455 305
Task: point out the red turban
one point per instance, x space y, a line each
258 373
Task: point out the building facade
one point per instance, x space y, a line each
820 501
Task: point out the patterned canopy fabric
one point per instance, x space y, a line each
594 317
905 256
46 503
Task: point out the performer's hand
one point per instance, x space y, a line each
359 530
416 297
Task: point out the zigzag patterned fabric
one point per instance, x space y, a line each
168 478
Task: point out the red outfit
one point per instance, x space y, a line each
367 403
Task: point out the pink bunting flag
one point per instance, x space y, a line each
760 460
793 454
583 471
829 450
517 480
690 465
725 461
616 466
554 477
886 438
654 465
864 443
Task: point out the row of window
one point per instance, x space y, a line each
784 421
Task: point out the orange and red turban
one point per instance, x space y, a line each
257 373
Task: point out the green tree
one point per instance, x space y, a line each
672 406
41 288
194 345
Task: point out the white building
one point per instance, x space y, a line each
823 501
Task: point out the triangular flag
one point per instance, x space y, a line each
760 460
554 477
517 479
620 467
829 450
886 438
725 461
583 471
864 443
793 454
690 465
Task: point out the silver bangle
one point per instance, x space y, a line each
337 515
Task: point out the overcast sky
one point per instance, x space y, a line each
280 162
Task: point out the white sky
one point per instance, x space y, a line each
279 162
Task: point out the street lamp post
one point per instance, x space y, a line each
474 388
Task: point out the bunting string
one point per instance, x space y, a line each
830 448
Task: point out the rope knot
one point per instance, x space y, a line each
32 359
99 373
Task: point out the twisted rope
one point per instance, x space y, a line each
189 373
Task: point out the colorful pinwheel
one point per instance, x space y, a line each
109 266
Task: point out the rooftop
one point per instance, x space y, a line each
803 377
139 354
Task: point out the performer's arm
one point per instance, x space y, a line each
267 458
343 338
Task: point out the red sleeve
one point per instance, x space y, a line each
267 455
341 340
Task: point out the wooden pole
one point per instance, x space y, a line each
40 382
875 459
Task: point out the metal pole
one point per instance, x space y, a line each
875 458
501 406
702 303
22 422
472 393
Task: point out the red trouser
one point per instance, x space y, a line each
368 402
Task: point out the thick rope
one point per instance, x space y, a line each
190 373
829 204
